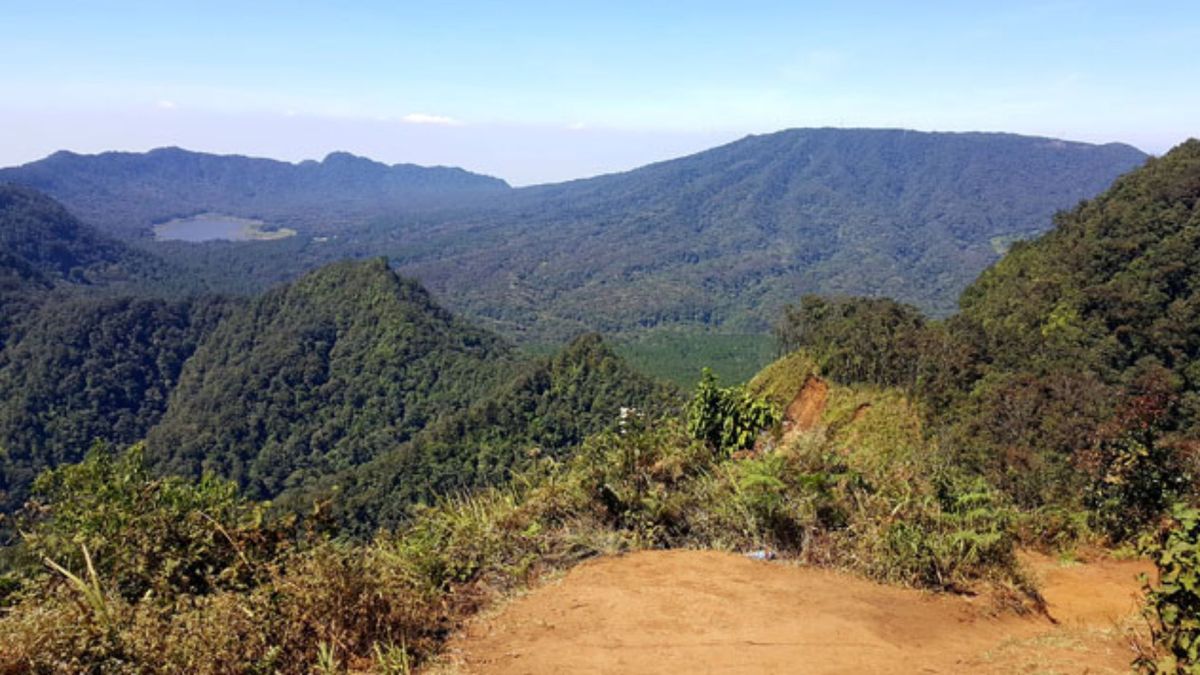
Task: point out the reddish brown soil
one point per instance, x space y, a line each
709 612
804 412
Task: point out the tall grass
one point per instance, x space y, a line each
860 494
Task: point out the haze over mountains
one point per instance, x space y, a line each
124 193
716 240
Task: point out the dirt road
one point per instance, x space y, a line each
709 612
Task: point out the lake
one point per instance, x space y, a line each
214 226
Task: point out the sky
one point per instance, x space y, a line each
546 91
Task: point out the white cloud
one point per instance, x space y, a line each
423 118
576 126
166 105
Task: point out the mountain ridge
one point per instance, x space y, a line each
716 240
125 193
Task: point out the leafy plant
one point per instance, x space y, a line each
729 419
149 535
1173 602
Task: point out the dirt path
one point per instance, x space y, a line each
709 612
804 412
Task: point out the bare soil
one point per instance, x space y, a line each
711 612
804 412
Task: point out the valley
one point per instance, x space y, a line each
619 337
718 241
341 470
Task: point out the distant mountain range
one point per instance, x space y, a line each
716 240
726 236
125 193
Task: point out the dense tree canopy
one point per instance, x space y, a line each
322 375
1071 376
91 368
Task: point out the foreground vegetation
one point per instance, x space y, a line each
125 571
1069 381
419 467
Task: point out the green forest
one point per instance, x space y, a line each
334 473
716 242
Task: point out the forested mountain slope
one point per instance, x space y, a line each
80 358
42 247
716 240
1116 281
726 236
88 368
1070 378
322 375
548 408
1091 339
125 193
39 237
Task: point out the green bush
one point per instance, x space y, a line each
1173 603
728 418
146 535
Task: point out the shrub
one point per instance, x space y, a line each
728 419
146 535
1173 603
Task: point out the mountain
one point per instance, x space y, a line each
45 248
1070 378
1117 279
125 193
40 239
716 241
1091 340
726 236
546 409
85 352
351 376
322 375
352 379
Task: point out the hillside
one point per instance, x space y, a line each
322 375
1091 337
125 193
45 248
349 379
719 240
545 411
1069 379
88 368
727 236
88 349
1115 282
43 244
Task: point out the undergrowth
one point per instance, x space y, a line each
179 577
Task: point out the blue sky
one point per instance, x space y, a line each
540 91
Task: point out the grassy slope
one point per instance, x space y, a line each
860 494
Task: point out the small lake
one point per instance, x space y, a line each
214 226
